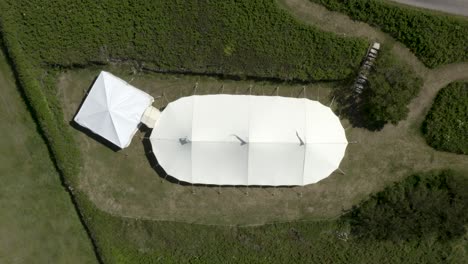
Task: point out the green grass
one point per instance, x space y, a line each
124 183
38 222
446 124
242 38
435 38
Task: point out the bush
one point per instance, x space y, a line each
424 205
436 39
446 125
391 86
238 38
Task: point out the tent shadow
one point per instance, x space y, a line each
95 137
153 161
352 107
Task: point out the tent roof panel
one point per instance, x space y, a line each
222 119
176 120
208 161
276 119
276 164
113 109
180 167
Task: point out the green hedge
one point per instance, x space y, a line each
446 125
59 139
436 39
127 240
424 206
238 38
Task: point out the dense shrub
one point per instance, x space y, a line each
128 240
446 124
240 38
391 86
59 139
424 205
436 39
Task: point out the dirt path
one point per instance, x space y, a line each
434 80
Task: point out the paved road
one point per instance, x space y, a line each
459 7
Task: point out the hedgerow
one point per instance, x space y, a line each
425 205
417 205
51 123
446 125
436 39
239 38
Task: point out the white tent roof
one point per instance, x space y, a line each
113 109
248 140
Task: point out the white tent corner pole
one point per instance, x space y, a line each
165 98
195 88
333 99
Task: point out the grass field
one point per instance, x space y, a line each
38 223
123 183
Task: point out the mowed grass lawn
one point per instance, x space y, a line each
38 223
124 184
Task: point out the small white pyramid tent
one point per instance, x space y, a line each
113 109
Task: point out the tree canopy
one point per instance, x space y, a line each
391 86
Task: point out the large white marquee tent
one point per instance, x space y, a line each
248 140
113 109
